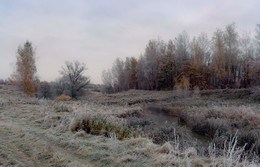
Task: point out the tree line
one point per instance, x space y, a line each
227 60
72 81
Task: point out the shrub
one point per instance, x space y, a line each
44 90
183 118
63 98
163 134
209 127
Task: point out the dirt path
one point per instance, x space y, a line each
24 145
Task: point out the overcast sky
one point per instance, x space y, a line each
97 31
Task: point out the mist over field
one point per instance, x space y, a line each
129 83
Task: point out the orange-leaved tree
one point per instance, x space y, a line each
25 74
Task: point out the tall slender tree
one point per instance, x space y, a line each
25 74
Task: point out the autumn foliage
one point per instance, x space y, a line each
227 60
25 74
63 98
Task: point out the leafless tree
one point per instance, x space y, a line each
231 39
119 74
257 38
141 79
182 47
73 78
108 81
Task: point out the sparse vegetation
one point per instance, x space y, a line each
119 134
190 101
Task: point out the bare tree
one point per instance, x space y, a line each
118 74
154 51
182 47
231 39
108 81
246 60
257 38
218 60
141 79
73 79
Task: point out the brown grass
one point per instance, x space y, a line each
62 98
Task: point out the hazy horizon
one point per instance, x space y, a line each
96 32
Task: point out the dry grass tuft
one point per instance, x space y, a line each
62 107
63 98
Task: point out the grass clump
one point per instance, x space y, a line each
63 98
101 126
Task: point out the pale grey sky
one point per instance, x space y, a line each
97 31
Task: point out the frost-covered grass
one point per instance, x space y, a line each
50 135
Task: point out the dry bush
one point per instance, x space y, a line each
63 98
231 154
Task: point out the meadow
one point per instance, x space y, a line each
131 128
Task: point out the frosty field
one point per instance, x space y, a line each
211 129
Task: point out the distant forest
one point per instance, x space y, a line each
228 60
